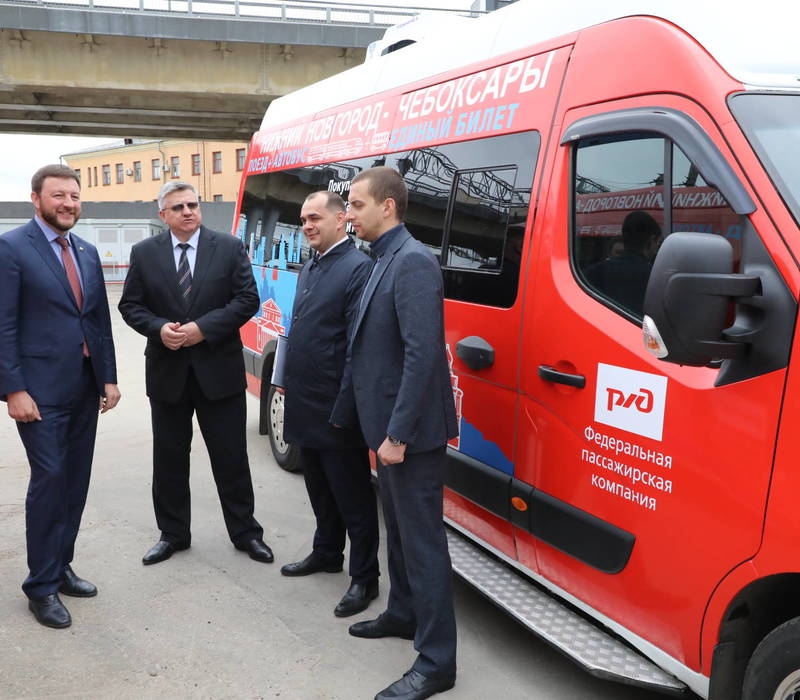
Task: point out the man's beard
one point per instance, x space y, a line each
52 218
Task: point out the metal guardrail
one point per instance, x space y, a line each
302 11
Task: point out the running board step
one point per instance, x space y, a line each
597 651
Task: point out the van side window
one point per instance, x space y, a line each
620 186
428 180
699 207
269 223
479 219
484 214
619 215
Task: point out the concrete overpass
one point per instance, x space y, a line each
170 68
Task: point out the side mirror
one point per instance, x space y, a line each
687 303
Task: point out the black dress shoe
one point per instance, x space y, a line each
311 565
161 551
383 626
75 586
50 611
356 599
256 549
414 686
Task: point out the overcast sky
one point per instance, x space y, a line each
24 154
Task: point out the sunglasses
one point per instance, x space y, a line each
178 208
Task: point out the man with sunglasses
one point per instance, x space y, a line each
189 290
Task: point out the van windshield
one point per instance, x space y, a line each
771 123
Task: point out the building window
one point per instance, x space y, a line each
240 154
137 171
78 173
95 176
106 175
195 163
175 166
217 197
155 166
120 174
216 162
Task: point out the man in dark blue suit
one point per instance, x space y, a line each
397 388
57 369
335 461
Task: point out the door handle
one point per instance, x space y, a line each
550 374
475 352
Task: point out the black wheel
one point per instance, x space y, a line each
774 669
287 456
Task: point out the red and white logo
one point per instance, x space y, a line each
642 401
269 324
631 400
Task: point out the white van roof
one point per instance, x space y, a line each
754 42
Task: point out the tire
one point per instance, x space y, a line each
287 456
773 672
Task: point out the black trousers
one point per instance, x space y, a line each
222 424
60 449
340 490
419 561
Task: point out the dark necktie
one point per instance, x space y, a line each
184 273
72 278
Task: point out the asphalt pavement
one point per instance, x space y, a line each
210 622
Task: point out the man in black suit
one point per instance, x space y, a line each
335 461
189 290
57 369
397 388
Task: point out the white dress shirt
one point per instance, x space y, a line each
191 251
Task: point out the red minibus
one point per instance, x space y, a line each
613 192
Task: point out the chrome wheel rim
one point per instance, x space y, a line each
789 689
276 423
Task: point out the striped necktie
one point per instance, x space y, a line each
184 273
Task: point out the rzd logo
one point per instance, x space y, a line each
630 400
643 400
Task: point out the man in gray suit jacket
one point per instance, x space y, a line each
397 388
